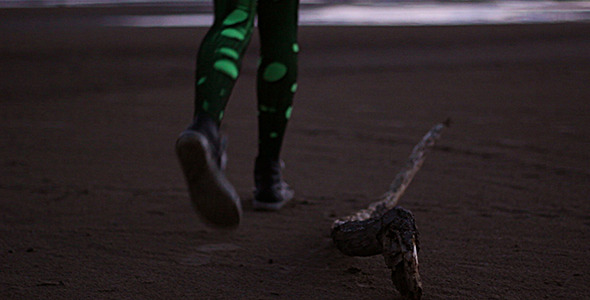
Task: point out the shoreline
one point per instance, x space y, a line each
200 15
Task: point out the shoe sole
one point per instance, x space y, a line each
273 206
212 195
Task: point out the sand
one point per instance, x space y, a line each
93 204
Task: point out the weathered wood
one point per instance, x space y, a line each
356 235
400 251
383 228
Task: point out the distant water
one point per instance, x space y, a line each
48 3
326 12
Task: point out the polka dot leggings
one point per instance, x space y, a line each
220 56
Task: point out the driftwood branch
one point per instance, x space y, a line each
383 228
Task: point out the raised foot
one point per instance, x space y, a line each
212 195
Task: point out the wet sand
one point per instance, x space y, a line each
93 204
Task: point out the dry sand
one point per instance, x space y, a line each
93 204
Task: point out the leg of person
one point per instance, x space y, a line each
276 85
200 148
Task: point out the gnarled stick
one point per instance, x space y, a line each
356 235
383 228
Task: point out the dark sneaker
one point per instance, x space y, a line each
271 191
201 155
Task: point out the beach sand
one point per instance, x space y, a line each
93 204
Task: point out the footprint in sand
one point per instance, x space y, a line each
203 255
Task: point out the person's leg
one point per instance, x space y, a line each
277 72
199 148
220 55
276 85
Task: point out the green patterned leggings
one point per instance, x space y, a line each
220 56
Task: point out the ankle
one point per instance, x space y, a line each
203 121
